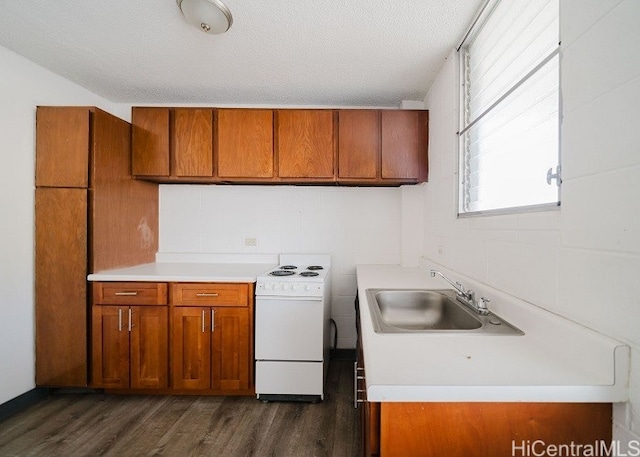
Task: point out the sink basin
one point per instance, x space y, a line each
430 311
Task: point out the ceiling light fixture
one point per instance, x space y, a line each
210 16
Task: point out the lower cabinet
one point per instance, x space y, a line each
369 411
210 348
474 429
212 337
130 347
173 337
490 429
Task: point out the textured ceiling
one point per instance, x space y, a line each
291 52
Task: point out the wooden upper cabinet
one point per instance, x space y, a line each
305 144
62 147
172 142
404 136
358 144
150 141
353 147
244 143
192 142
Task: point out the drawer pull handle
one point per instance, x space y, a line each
206 294
126 294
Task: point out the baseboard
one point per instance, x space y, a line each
22 402
343 354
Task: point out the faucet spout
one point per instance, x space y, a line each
466 297
457 286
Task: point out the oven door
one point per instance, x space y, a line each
289 328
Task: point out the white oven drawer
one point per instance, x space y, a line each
289 378
289 329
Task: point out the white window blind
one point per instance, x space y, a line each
510 117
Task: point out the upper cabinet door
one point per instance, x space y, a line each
62 147
404 144
150 141
192 142
305 144
358 144
244 145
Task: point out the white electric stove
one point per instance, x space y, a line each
292 329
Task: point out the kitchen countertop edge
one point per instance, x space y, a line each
184 272
547 364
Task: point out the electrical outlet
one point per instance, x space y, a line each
250 242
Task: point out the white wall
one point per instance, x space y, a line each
23 86
582 261
354 225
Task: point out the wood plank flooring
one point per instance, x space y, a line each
73 425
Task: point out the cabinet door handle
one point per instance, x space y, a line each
213 322
126 294
203 320
119 319
130 320
206 294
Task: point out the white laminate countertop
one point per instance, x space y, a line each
185 272
556 360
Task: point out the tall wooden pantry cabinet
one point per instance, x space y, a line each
90 215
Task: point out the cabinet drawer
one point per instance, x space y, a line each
129 293
210 294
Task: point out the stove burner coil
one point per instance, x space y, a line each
282 273
315 267
309 273
288 267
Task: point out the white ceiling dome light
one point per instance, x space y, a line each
210 16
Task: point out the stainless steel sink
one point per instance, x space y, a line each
430 311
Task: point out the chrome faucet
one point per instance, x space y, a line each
466 297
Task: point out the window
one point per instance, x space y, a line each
509 135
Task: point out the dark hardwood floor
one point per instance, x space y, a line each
134 425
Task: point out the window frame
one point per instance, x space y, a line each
481 17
